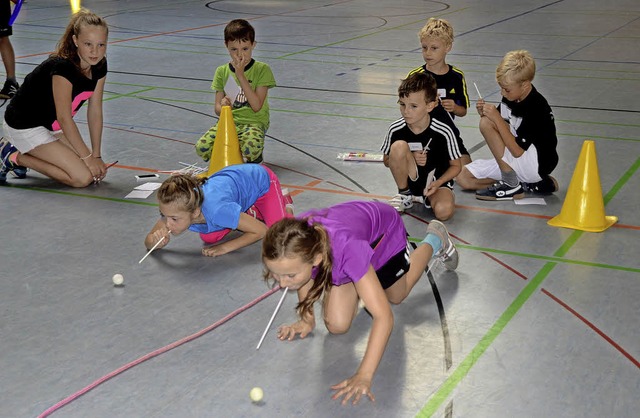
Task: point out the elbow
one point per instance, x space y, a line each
256 107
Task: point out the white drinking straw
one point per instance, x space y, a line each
477 90
153 248
264 334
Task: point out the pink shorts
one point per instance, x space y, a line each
271 207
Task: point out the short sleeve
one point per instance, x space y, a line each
266 78
227 215
355 259
220 78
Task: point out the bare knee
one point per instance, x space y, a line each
486 125
396 299
399 149
80 181
444 210
337 325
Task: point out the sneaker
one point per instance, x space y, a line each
6 166
288 200
501 191
19 172
253 211
448 253
9 90
426 203
401 202
547 185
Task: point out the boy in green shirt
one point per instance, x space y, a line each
243 84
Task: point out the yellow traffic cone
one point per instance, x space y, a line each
583 207
226 148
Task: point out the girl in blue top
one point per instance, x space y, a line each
217 205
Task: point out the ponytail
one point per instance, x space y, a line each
292 237
184 190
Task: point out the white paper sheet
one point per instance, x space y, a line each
430 177
231 89
148 186
530 201
139 194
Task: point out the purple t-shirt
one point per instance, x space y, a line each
352 228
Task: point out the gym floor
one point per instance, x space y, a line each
537 321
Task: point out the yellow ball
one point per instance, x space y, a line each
256 394
118 279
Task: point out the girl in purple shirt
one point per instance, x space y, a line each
347 252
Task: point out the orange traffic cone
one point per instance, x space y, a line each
226 148
583 207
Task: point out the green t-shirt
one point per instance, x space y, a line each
259 74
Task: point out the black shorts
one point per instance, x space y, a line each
5 15
417 186
394 269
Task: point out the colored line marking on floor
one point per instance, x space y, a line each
593 327
496 329
304 51
553 259
84 195
454 379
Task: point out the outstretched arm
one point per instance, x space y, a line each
95 120
252 230
374 298
62 93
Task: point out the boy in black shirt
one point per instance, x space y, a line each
520 133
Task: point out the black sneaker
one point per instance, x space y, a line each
9 90
501 191
547 185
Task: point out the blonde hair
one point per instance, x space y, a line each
437 28
292 238
66 48
516 67
183 190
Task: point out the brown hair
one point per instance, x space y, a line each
184 190
66 48
290 238
239 30
419 81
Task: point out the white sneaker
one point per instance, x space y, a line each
448 253
401 202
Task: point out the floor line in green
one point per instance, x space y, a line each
454 379
304 51
555 259
463 368
86 196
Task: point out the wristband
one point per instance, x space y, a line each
84 158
